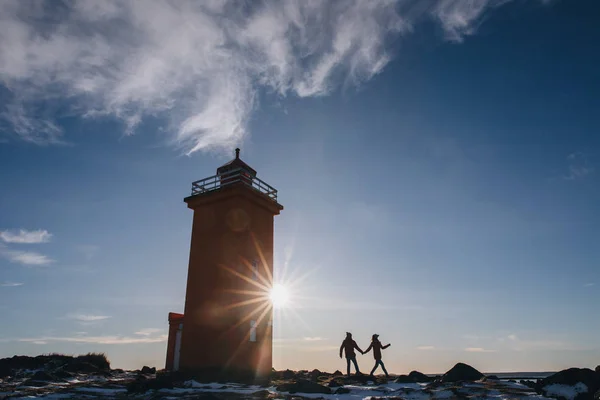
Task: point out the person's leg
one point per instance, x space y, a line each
375 367
348 366
355 365
384 370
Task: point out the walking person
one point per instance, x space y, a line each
377 347
348 345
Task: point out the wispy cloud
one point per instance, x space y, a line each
10 284
26 257
479 350
23 236
313 339
578 166
148 331
198 64
96 339
87 317
425 348
589 284
460 18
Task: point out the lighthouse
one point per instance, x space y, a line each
226 328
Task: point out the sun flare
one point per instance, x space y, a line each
279 296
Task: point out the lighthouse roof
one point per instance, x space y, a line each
236 163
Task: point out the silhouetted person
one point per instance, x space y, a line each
377 347
348 345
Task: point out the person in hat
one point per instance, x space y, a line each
377 347
348 345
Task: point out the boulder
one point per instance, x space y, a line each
529 383
419 377
303 386
5 371
141 384
571 377
342 390
314 374
81 367
148 370
34 383
43 376
288 374
404 379
461 372
334 383
492 378
597 395
597 369
338 373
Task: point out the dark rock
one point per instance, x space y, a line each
141 384
5 371
334 383
62 374
314 374
303 386
342 390
419 377
81 367
206 396
148 370
528 383
571 377
338 373
597 395
261 394
118 371
597 369
34 383
492 378
461 372
404 379
288 374
43 376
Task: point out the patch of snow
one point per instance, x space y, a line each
99 390
566 391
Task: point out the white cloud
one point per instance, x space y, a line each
10 284
578 166
479 350
199 64
26 257
25 236
589 284
148 331
87 317
460 18
97 339
39 342
513 337
425 348
313 339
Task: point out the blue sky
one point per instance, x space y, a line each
437 162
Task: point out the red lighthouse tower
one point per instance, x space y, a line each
226 328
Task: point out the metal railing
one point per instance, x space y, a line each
239 175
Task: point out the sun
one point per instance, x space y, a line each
279 296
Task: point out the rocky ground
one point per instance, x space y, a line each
80 378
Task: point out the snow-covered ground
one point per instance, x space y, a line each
114 387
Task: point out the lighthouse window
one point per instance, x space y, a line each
255 269
253 331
